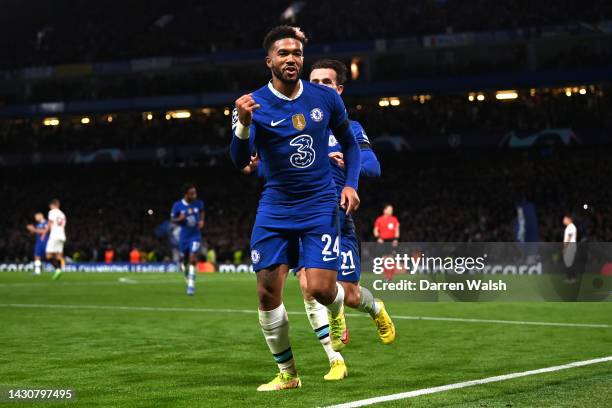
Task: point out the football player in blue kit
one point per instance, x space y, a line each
39 229
333 74
188 213
286 122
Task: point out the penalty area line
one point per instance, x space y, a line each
455 386
254 311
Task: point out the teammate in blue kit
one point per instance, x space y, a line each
40 230
188 213
286 123
333 74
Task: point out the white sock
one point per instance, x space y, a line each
275 328
191 276
367 303
317 316
37 266
336 306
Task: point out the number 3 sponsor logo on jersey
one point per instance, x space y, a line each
305 154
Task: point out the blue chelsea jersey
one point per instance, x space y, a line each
291 137
338 174
193 213
41 225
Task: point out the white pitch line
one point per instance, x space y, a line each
128 280
114 282
254 311
134 308
519 322
88 283
433 390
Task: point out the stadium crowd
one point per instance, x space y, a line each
441 196
49 33
446 115
250 75
436 119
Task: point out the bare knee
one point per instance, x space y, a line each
270 288
322 291
268 299
304 285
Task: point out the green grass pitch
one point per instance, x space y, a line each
115 350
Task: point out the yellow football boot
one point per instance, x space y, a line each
337 371
338 331
384 324
282 381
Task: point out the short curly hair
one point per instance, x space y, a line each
283 31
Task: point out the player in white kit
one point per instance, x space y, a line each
57 237
569 247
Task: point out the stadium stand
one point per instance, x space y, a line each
52 33
439 196
588 115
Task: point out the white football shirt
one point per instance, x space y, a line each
570 233
59 223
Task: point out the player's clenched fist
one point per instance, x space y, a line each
245 105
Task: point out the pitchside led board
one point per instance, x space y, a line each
486 271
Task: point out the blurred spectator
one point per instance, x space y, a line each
134 256
109 254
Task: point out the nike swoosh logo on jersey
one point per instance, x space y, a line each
326 259
273 123
347 273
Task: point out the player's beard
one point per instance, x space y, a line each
278 73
